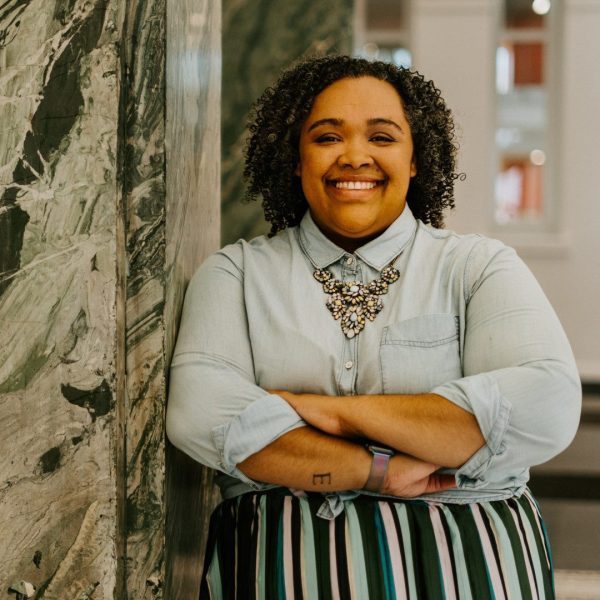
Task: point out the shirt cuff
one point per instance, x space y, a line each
481 396
261 423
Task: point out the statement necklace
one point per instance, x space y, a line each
353 301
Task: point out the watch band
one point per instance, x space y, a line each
379 467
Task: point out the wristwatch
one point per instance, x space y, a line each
379 467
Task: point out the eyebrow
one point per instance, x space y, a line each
381 121
334 122
340 122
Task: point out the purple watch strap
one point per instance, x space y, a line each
379 468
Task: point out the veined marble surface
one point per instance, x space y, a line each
95 251
193 228
143 175
259 39
58 284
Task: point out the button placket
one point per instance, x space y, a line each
349 268
347 373
350 272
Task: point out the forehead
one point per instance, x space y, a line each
367 96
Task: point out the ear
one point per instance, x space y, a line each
298 170
413 167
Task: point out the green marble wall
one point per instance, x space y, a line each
62 450
109 124
192 232
260 37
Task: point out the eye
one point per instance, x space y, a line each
382 138
327 138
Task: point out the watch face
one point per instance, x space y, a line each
380 450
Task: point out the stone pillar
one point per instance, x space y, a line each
103 154
259 39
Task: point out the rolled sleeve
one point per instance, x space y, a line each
480 396
520 379
257 426
216 412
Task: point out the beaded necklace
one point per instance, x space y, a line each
352 301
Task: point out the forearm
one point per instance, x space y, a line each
310 460
426 426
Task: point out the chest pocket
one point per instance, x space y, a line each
420 353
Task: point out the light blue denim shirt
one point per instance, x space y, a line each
466 320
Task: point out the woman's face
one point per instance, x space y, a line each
356 160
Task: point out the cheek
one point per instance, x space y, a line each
312 168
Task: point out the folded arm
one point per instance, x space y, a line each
517 405
309 460
426 426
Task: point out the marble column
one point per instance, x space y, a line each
259 39
102 153
193 224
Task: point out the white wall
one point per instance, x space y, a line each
453 43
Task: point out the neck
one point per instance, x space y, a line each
347 243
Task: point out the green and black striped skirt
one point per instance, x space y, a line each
272 545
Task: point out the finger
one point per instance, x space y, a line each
439 483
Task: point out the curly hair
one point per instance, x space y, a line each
272 148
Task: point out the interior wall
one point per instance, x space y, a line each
453 43
61 385
572 277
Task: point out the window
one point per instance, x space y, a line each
523 185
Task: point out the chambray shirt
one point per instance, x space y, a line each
466 320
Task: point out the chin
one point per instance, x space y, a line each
356 225
356 233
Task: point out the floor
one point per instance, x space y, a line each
577 585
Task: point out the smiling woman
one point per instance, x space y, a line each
272 155
371 387
356 160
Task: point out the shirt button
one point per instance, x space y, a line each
350 260
349 364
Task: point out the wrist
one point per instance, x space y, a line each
377 480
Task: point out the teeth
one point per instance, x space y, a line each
355 185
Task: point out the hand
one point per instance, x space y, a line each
319 411
409 477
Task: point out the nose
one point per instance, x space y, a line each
354 155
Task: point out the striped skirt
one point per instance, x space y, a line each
272 545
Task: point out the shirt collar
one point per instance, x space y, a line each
377 253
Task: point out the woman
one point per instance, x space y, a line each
372 388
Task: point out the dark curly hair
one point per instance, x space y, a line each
278 115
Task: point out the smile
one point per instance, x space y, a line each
355 185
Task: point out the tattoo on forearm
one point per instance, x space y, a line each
321 478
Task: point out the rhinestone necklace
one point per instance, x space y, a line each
353 301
